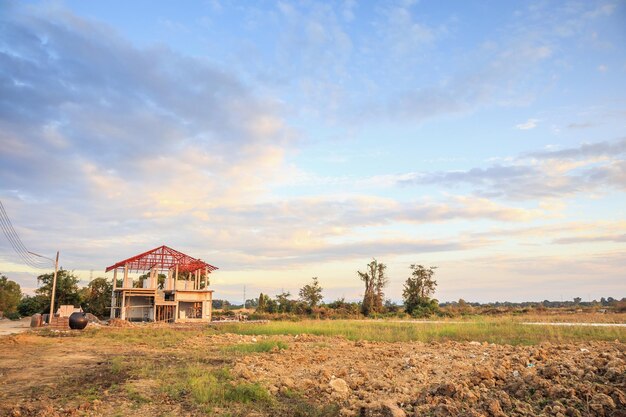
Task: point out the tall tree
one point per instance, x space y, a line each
418 288
262 304
67 288
284 303
97 297
375 281
311 294
10 295
31 305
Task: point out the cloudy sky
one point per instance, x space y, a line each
285 140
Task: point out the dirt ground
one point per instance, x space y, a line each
450 379
58 376
14 326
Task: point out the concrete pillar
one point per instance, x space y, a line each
210 302
123 312
125 284
113 293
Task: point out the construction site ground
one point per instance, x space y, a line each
126 370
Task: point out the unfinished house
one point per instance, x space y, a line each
174 287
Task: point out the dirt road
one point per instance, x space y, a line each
11 327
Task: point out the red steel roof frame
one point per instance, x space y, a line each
163 258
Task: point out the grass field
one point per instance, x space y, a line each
501 331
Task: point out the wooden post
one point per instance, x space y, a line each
54 287
113 293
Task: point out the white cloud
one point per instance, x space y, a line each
589 168
529 124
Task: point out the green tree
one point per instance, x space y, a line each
311 294
251 303
66 292
284 303
375 281
160 280
262 305
418 288
10 295
97 297
31 305
266 304
221 304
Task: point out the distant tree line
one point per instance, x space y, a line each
95 298
576 302
418 290
417 296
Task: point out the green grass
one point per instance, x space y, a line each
150 337
213 387
134 395
191 380
258 347
117 365
501 331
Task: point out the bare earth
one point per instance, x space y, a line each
11 327
42 376
449 379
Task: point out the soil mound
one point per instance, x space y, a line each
120 323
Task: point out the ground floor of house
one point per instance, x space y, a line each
148 304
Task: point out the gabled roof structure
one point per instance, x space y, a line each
163 258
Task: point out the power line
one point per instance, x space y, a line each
11 229
24 256
16 243
11 239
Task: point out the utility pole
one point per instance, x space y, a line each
244 297
54 286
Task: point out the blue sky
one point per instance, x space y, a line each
285 140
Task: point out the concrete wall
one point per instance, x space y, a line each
139 313
187 298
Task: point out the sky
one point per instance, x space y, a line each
282 141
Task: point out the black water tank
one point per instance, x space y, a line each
78 321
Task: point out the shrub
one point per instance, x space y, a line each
13 315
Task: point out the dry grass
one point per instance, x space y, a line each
501 331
